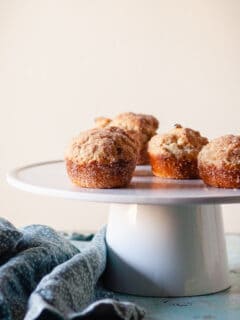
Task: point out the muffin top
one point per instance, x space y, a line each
142 124
102 145
178 142
220 151
145 125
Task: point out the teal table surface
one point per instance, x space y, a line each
221 306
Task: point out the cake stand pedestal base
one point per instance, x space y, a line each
166 250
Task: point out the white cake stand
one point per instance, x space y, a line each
164 237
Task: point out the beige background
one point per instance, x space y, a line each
62 63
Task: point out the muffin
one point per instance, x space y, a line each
219 162
141 127
174 154
101 158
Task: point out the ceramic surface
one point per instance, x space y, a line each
166 251
50 178
164 237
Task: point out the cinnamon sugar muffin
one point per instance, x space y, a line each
219 162
101 158
140 126
174 154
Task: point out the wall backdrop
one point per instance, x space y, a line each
64 62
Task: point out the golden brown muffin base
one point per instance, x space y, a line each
102 176
174 168
226 176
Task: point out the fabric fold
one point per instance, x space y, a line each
9 239
68 293
43 276
37 252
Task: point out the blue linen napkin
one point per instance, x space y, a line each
28 256
44 277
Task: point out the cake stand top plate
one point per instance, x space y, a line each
50 178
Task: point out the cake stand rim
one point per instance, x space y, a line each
93 195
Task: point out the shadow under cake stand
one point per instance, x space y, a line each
164 237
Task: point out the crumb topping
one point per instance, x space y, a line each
220 151
145 125
177 142
104 145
